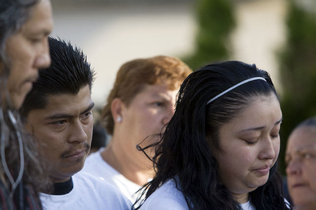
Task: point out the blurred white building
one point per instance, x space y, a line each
113 32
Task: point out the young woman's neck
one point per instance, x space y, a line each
241 198
307 206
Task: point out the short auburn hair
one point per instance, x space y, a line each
135 74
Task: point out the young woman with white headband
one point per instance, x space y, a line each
220 149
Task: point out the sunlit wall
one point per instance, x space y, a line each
113 33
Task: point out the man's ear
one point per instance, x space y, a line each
117 107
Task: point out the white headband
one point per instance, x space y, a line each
233 87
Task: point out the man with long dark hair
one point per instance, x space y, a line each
24 28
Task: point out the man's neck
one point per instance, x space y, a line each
62 188
137 170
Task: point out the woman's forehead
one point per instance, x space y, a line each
303 137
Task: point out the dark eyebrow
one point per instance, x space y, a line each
58 116
90 107
307 147
44 32
61 116
253 129
261 127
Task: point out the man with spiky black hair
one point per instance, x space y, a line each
58 113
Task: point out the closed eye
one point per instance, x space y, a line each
35 39
250 141
158 103
58 125
275 132
274 136
307 155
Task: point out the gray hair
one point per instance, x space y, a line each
310 122
13 14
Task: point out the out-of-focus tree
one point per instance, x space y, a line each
216 20
298 68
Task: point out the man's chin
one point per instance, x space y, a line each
16 101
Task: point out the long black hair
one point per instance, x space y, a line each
184 151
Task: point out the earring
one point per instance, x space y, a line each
119 119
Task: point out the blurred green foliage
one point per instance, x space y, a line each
215 20
297 72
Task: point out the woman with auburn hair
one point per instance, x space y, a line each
139 105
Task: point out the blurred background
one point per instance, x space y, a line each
113 32
277 35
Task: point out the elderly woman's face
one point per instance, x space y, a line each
301 166
249 146
28 51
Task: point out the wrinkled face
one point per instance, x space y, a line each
64 130
301 166
146 115
249 146
28 51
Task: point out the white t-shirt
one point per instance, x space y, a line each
96 166
88 193
168 196
247 206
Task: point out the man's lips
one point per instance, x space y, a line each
75 153
32 79
28 83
